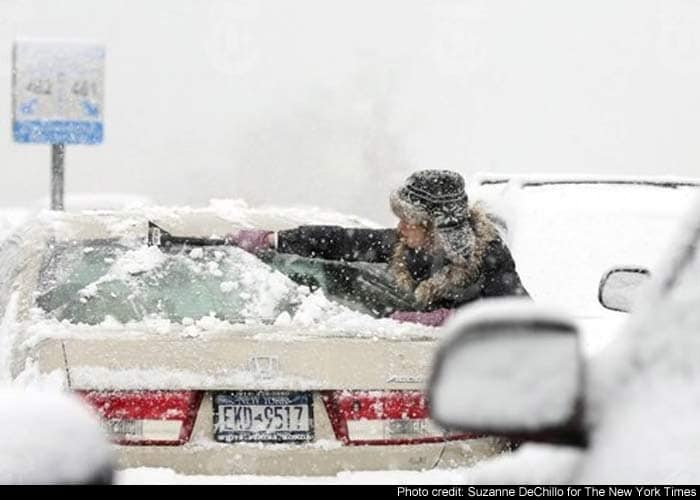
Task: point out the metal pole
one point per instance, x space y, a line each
58 155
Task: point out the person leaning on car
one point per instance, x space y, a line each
445 251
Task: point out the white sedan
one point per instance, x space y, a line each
201 358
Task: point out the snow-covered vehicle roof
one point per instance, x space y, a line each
566 231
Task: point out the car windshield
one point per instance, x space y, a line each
87 282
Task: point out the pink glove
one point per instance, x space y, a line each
250 240
432 318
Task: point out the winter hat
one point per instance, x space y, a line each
438 198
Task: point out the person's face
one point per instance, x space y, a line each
415 235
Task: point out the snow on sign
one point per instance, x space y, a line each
58 90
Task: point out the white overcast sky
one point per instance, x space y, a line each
331 103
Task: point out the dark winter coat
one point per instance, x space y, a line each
433 280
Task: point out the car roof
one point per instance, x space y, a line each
537 180
212 221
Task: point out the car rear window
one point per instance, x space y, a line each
90 281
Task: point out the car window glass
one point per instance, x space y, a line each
362 286
87 282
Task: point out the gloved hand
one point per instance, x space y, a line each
251 240
432 318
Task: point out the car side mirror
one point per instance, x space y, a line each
618 287
510 368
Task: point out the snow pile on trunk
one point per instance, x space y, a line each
317 313
315 316
133 379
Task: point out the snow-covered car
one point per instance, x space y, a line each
202 358
632 409
567 231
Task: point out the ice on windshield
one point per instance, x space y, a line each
87 282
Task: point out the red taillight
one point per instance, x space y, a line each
147 417
383 417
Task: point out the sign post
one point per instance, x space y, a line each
58 153
58 97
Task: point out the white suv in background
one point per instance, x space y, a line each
631 410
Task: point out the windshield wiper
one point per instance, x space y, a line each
159 237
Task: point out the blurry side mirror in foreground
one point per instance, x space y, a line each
619 286
509 367
49 437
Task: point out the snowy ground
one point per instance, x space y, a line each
531 464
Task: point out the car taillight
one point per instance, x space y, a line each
146 417
383 417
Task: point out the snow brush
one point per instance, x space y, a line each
159 237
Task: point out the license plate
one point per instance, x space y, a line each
273 416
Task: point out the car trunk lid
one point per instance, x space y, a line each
242 363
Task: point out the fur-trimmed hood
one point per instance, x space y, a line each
460 271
